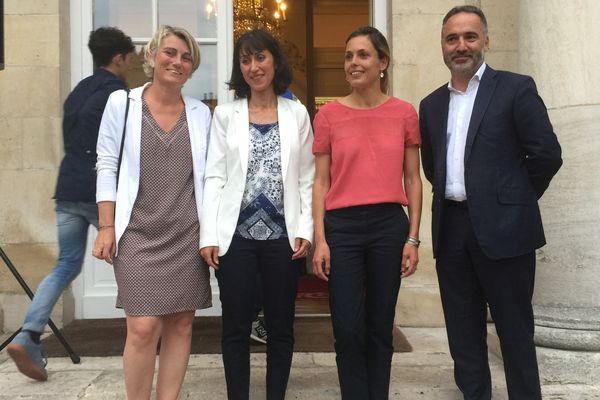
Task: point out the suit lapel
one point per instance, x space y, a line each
241 132
285 130
441 127
482 100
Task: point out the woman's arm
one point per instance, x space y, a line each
306 176
414 193
107 147
321 257
105 244
215 177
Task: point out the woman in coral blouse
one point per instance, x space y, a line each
367 170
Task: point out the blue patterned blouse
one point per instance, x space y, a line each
261 213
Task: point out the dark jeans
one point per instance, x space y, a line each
238 269
469 282
258 301
366 244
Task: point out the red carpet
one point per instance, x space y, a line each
311 287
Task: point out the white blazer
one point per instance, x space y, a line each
227 165
109 142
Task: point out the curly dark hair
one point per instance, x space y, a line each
250 43
106 42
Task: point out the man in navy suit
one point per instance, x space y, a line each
489 151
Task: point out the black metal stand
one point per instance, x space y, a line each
74 357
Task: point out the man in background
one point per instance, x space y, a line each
76 209
489 150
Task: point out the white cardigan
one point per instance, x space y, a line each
109 142
227 165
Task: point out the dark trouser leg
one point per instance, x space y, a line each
279 276
258 299
347 304
464 306
382 285
366 247
237 277
508 287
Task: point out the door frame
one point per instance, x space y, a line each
94 295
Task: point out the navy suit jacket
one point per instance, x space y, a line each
83 110
511 155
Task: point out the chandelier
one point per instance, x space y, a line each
252 14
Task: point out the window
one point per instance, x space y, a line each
207 20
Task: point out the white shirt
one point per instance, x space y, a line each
459 116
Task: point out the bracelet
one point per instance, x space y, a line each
413 240
105 226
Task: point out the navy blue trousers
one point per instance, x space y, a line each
366 244
469 282
237 277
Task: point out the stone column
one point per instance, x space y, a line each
557 47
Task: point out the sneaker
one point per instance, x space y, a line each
258 332
28 357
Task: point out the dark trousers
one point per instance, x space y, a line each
469 281
366 244
238 269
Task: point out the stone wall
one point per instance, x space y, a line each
33 85
555 48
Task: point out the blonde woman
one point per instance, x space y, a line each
149 227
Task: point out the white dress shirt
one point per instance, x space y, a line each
459 116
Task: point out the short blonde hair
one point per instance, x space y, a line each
154 43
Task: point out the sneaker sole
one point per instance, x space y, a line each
24 362
256 338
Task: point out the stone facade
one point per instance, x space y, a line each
33 85
551 40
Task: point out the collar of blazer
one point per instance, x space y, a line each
482 100
287 128
136 95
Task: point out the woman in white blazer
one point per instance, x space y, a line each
149 228
257 208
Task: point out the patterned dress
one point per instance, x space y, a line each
158 268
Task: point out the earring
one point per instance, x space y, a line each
381 74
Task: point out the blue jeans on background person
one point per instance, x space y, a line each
73 220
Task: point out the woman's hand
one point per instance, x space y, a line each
410 259
104 246
301 248
210 254
321 261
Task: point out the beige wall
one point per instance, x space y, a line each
33 86
36 81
